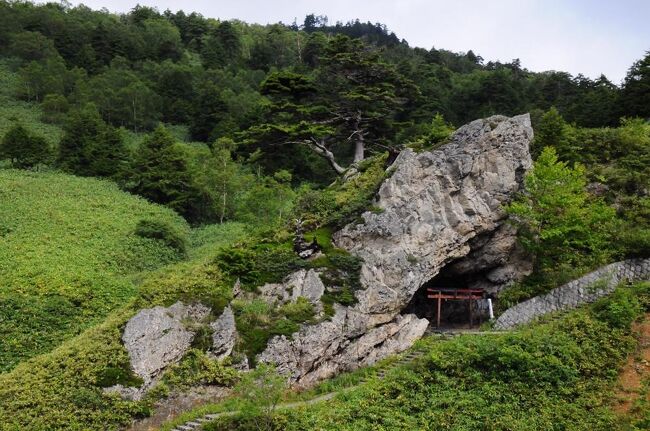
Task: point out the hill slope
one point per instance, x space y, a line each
68 249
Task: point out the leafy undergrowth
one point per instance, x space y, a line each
555 375
62 390
68 248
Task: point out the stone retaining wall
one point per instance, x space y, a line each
584 290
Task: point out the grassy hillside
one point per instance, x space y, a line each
556 375
68 250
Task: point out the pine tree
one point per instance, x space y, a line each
89 146
161 173
23 149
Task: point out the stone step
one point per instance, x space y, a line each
193 424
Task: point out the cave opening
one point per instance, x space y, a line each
463 302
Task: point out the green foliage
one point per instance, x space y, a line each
257 321
550 132
67 250
257 264
635 99
54 107
343 202
164 232
559 223
23 149
298 312
432 135
161 173
619 310
197 368
260 391
89 146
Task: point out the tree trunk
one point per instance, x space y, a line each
359 144
320 148
359 148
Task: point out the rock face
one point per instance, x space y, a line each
156 337
584 290
437 207
224 334
300 283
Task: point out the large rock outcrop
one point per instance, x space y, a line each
436 208
158 337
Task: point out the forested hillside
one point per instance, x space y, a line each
270 105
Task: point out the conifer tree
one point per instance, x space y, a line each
23 149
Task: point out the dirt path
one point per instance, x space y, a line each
635 371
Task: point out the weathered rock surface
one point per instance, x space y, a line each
433 206
305 283
224 334
156 338
584 290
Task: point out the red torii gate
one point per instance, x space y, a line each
453 294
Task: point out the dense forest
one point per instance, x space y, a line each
153 157
264 107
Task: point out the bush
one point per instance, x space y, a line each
164 232
619 310
258 264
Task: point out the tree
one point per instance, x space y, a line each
260 392
23 149
352 104
162 39
208 111
223 179
635 95
123 99
550 132
222 46
32 46
365 94
89 146
559 223
161 173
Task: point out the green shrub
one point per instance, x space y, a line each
197 368
258 264
164 232
299 312
202 340
620 310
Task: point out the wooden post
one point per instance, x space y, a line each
470 312
439 300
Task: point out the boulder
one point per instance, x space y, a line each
156 338
436 208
